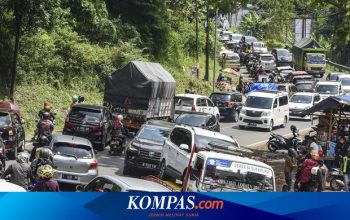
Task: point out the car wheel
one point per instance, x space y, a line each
162 175
284 122
271 147
271 126
334 185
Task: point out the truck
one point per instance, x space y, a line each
308 55
140 91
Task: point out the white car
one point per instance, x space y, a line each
259 47
194 103
10 187
268 61
225 35
178 147
300 102
345 82
265 109
219 172
328 88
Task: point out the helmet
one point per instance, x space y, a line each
342 139
43 141
120 117
44 153
46 115
75 98
23 157
315 155
47 106
293 128
46 171
292 152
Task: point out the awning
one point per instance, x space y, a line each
333 102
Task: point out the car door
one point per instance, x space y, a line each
182 156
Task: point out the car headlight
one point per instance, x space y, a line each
266 114
243 111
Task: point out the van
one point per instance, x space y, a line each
328 88
218 172
265 109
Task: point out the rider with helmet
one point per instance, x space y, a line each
43 141
20 171
45 157
118 128
47 108
46 182
44 126
310 178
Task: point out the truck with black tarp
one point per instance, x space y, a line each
308 55
140 91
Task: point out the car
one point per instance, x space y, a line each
182 140
93 122
305 85
230 59
74 159
212 168
194 103
345 82
299 78
289 88
265 109
300 102
229 103
333 76
236 38
259 47
122 184
201 120
267 62
225 35
250 39
10 187
283 57
12 130
328 88
143 152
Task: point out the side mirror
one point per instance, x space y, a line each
79 188
184 147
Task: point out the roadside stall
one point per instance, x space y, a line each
334 122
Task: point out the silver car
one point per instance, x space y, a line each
74 159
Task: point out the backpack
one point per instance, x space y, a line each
305 174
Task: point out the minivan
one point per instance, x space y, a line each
328 88
265 109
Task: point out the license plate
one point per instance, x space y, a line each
252 124
147 165
83 129
69 177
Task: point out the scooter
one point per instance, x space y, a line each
336 179
278 142
116 146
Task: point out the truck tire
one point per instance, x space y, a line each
162 175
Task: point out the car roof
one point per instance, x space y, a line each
304 82
135 184
197 113
227 93
266 93
305 93
160 123
218 155
207 133
71 139
90 106
328 83
191 96
280 49
10 187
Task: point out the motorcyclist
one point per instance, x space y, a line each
47 108
294 130
45 157
20 171
75 100
309 180
46 183
261 71
119 128
43 141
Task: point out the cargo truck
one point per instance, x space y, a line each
140 91
308 55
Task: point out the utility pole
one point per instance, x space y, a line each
197 49
207 51
216 23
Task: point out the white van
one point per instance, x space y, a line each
265 109
328 88
218 172
345 82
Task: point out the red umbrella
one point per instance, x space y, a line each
10 106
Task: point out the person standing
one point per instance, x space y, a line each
346 170
289 165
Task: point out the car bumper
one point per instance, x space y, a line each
82 178
142 164
254 122
315 72
225 111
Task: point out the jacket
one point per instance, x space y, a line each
20 174
289 164
50 185
346 165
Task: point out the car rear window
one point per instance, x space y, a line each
220 97
192 120
4 118
85 115
71 149
153 133
183 101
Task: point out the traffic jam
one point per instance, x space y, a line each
172 142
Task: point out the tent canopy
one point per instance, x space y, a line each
262 86
333 102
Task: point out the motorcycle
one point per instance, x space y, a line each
116 146
278 142
336 179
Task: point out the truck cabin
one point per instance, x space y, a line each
315 58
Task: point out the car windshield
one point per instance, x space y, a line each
306 99
192 120
85 115
153 133
204 142
4 119
327 89
72 149
220 97
283 53
267 58
316 59
304 87
225 175
183 101
259 102
345 81
232 57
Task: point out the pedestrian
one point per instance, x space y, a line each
46 182
346 170
340 150
289 165
20 171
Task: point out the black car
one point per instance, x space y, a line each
93 122
144 151
199 119
283 57
12 131
306 86
229 103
